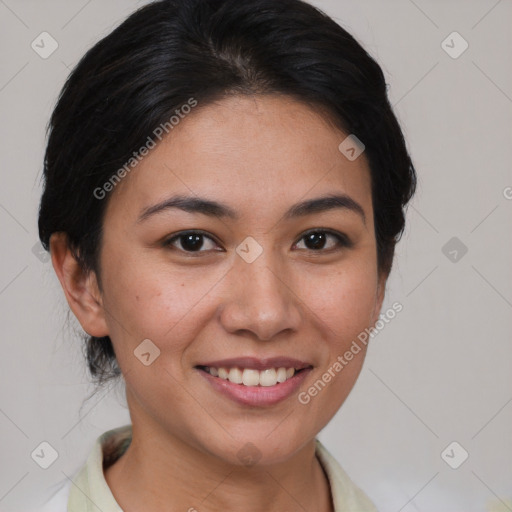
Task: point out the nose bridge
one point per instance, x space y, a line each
264 279
258 298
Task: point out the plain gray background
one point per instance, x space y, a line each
438 373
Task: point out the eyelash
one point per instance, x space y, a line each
342 240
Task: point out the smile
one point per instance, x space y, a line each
251 377
255 382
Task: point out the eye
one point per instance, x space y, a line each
319 240
195 241
191 241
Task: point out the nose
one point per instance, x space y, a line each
259 299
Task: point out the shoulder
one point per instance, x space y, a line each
58 500
69 494
346 494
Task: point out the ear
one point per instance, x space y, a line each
81 289
379 296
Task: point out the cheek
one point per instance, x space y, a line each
156 302
342 301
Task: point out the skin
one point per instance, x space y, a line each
258 155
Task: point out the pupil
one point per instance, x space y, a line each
315 240
192 242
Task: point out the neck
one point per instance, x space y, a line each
159 472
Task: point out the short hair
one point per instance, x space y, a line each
170 51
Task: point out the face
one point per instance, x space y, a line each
260 283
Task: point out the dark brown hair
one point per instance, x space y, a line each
169 51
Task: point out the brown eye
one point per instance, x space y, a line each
190 241
323 240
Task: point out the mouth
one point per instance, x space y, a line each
251 377
250 371
255 382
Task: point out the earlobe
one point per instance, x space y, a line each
80 288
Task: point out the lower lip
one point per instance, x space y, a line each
257 396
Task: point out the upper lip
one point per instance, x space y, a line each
258 364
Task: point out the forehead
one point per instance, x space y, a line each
249 152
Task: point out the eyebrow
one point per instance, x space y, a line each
219 210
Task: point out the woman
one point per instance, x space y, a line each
225 183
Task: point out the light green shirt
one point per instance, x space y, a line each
90 492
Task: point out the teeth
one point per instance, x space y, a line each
268 377
282 374
251 377
235 375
